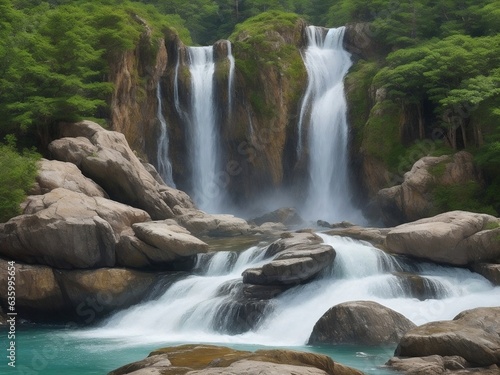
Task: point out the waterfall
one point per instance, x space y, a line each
230 80
196 307
203 143
163 162
324 109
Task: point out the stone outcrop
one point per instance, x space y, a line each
297 259
473 335
200 223
413 199
208 360
46 294
360 322
359 40
65 229
105 157
53 174
430 365
455 237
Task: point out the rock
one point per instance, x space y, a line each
489 271
422 288
413 199
106 158
359 40
200 223
65 229
269 228
473 334
342 224
173 241
361 323
298 259
53 174
376 236
455 237
37 290
95 293
430 365
3 318
209 359
263 292
286 216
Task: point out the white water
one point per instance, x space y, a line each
163 161
324 109
203 138
230 80
186 311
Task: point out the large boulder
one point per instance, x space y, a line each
286 216
106 158
489 271
473 334
66 229
455 237
413 199
47 294
297 259
208 360
53 174
430 365
360 322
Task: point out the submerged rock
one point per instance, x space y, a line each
473 334
208 360
360 322
457 238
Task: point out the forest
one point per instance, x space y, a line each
440 57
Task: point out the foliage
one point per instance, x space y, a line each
466 197
17 176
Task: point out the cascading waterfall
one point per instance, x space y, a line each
191 308
163 161
230 80
207 191
324 109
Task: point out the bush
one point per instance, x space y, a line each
17 176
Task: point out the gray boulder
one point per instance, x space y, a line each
455 237
489 271
360 322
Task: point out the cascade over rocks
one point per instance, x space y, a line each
209 359
297 259
473 335
456 237
413 199
360 322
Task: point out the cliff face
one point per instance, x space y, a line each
135 75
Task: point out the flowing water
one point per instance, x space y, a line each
324 108
190 309
163 161
203 146
230 80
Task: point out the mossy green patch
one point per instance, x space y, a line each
466 197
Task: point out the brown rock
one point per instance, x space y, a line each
473 334
430 365
456 237
360 322
286 216
65 229
490 271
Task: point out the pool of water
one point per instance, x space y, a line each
52 350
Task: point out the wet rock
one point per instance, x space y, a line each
489 271
360 322
208 359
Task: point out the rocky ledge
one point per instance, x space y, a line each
218 360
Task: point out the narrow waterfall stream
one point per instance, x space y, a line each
324 109
163 161
230 79
203 133
190 308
